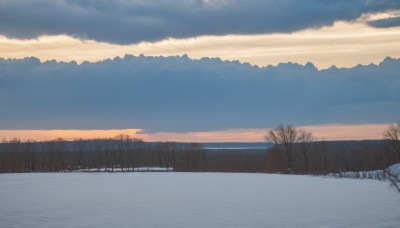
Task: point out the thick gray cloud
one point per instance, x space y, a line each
180 94
123 21
385 23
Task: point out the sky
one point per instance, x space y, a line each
198 70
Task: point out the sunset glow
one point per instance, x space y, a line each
198 89
322 132
183 99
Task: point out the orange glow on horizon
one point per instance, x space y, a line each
43 135
326 132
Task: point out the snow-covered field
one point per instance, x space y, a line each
194 200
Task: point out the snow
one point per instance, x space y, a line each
395 169
137 169
208 200
374 174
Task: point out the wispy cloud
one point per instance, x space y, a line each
177 94
386 23
127 22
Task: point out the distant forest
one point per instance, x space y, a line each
292 151
63 156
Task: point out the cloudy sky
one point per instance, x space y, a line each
198 70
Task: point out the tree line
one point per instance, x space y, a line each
294 151
119 153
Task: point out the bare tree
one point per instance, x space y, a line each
305 138
109 156
80 160
392 137
286 136
393 178
275 162
166 153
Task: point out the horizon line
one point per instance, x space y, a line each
323 132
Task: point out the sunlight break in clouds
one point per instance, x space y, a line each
325 132
344 45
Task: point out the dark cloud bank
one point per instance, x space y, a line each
123 22
180 94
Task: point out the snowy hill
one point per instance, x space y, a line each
194 200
